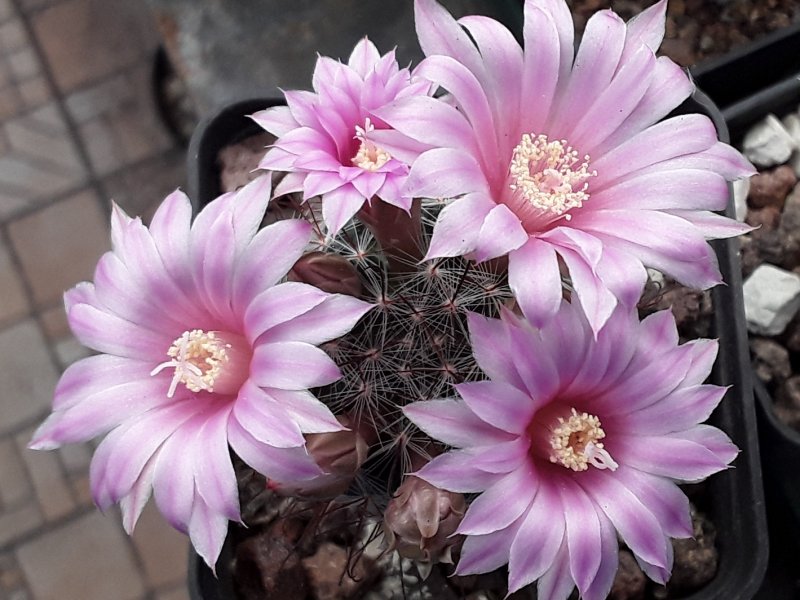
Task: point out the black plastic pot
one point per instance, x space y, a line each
736 501
754 80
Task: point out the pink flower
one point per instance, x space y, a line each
552 158
325 138
576 446
200 346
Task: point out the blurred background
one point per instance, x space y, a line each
91 110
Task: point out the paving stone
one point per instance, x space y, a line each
89 558
10 573
34 92
12 35
15 524
70 350
13 303
11 206
120 124
49 483
180 593
15 486
76 236
54 322
85 40
82 490
24 64
162 550
27 376
76 457
139 190
10 102
6 10
40 160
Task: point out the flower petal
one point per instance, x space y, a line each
453 423
292 366
501 504
538 296
499 404
458 226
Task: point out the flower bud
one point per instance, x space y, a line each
420 519
328 272
339 453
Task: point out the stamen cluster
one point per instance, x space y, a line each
575 443
545 173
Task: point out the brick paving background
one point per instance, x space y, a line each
77 128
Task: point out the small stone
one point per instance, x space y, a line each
695 558
771 299
741 189
770 188
768 143
791 123
750 256
334 576
787 402
770 360
629 582
789 231
767 218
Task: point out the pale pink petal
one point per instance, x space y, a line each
663 497
491 351
538 538
647 28
595 65
335 316
501 504
600 588
459 81
676 458
310 415
583 535
485 553
556 583
455 471
439 33
458 226
539 296
499 404
281 464
452 422
684 189
681 410
541 67
207 530
712 225
280 304
363 58
215 480
132 505
265 419
501 233
292 366
677 136
636 525
668 88
283 242
339 206
278 120
502 57
445 173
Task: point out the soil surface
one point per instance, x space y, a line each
701 29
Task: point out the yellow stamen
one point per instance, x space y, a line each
547 174
369 157
198 358
575 443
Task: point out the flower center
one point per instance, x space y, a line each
575 444
547 174
369 156
210 361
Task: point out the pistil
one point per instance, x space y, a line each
575 443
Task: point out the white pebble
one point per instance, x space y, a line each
741 188
771 299
768 143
